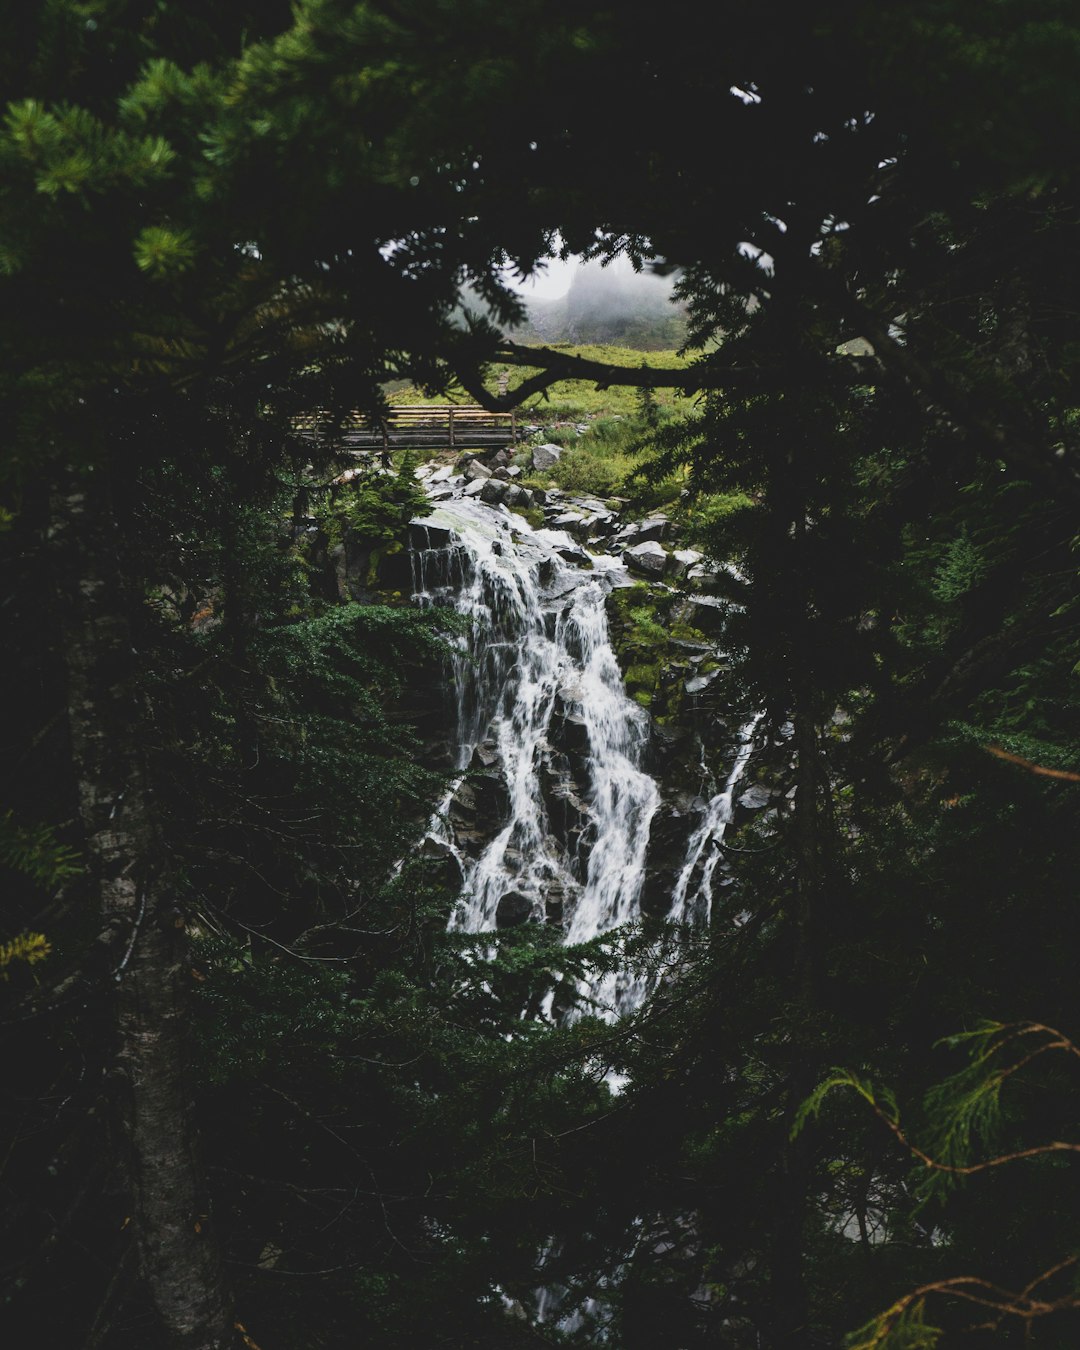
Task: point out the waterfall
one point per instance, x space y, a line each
545 728
541 704
537 654
694 903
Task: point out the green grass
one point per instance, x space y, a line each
572 400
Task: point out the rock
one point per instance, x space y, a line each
474 470
573 553
682 559
442 474
546 456
502 473
705 616
513 909
475 488
442 493
443 863
424 536
516 496
573 522
654 528
648 557
500 458
755 797
513 471
485 756
697 684
493 492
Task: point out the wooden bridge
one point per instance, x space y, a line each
454 426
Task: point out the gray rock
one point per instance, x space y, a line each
755 797
546 456
493 492
655 528
441 474
682 559
474 470
475 488
697 684
502 473
513 471
648 557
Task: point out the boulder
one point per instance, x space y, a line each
697 684
683 559
493 492
474 470
513 909
755 797
475 488
654 528
649 558
545 457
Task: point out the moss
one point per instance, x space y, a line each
533 514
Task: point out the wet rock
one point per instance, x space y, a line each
573 522
493 492
475 488
513 909
492 798
649 558
554 904
442 474
424 536
546 456
474 470
442 864
485 756
699 683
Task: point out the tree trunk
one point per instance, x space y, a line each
179 1261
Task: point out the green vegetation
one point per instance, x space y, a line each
219 219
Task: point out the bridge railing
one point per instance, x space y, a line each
427 426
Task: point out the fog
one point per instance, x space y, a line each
587 302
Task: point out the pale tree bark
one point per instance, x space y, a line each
179 1260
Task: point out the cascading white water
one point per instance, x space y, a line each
538 642
692 902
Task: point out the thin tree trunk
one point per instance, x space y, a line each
179 1261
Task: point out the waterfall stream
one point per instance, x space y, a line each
544 723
